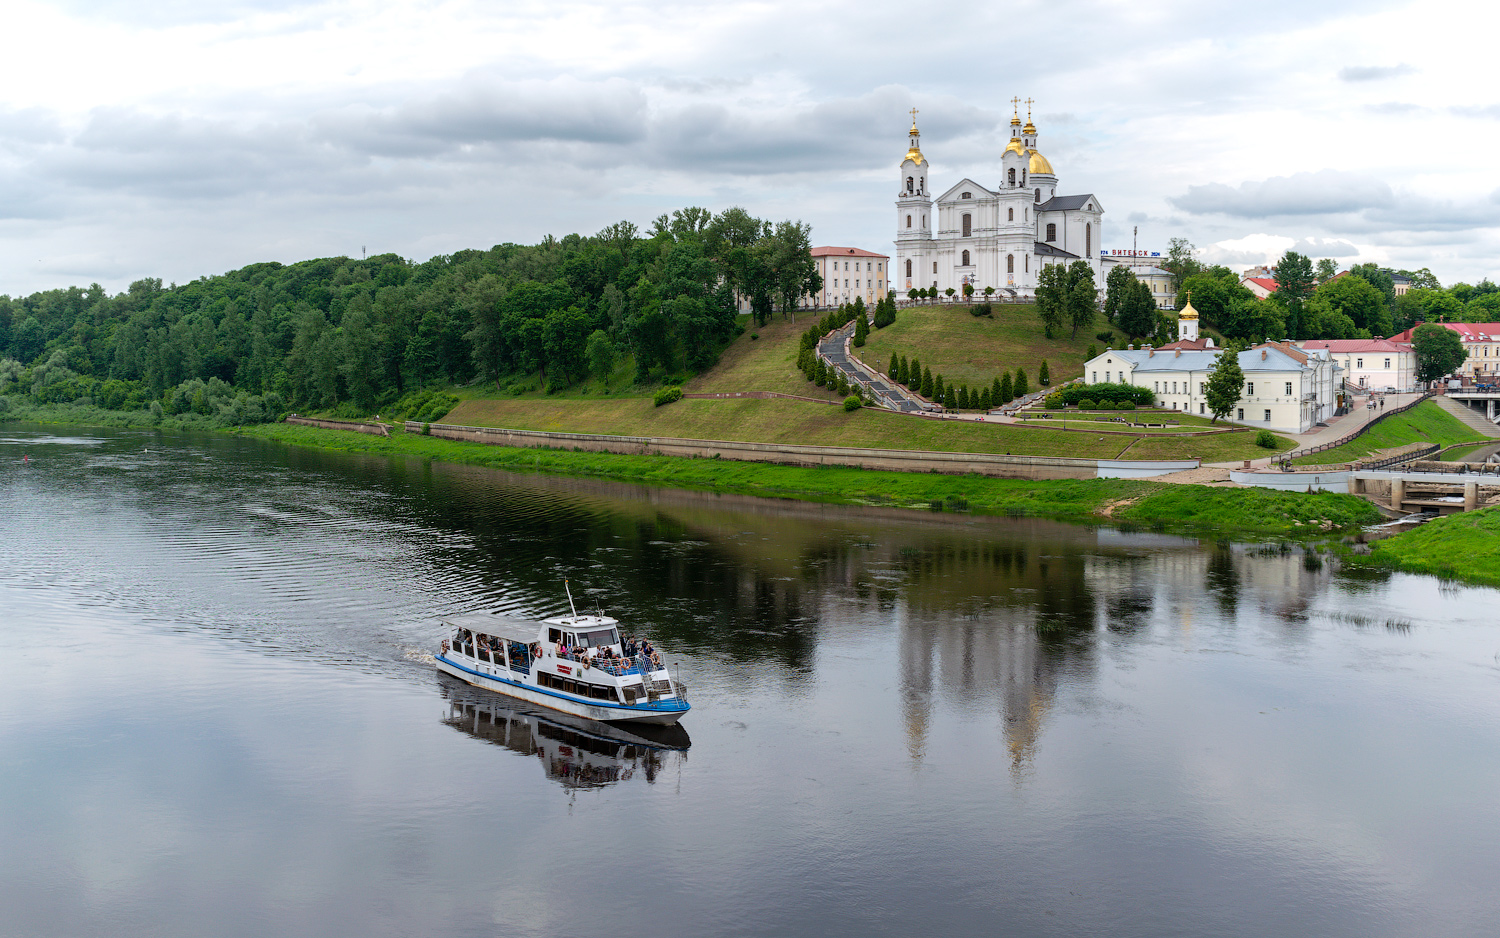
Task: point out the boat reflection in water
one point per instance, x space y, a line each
575 752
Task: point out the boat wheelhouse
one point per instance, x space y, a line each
576 664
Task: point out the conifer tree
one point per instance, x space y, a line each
895 370
986 400
995 397
916 376
820 373
904 377
1005 390
1043 377
861 329
1019 388
927 383
939 391
950 399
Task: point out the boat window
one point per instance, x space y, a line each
554 635
599 638
569 639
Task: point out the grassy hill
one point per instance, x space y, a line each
973 350
1425 423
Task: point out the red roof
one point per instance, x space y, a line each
1265 283
1353 345
1187 345
1467 331
844 252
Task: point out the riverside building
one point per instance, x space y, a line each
998 235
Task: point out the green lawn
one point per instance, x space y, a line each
1463 547
974 350
1425 423
766 363
1188 508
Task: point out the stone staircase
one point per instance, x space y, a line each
1470 418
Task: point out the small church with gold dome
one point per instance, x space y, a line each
998 235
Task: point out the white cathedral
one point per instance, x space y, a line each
998 237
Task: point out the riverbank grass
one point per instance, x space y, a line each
1186 509
1460 547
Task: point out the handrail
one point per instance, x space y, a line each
1285 459
1404 457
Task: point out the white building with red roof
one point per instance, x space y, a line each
1376 364
847 273
1481 340
1262 287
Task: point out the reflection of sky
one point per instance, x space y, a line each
899 726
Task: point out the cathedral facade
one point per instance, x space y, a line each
991 236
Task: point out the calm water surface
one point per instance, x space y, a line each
216 716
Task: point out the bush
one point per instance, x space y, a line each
1086 404
753 337
1106 405
981 309
1125 405
1265 439
1075 393
852 402
667 395
1055 402
1104 336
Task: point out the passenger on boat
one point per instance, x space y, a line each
562 650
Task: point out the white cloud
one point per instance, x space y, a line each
1320 193
1373 72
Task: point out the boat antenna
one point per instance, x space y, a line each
570 599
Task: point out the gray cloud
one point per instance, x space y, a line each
1321 193
1325 247
1373 72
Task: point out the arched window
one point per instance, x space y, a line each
966 260
1052 232
1038 195
924 221
1010 263
908 221
934 269
1088 240
908 267
1026 262
1011 176
910 184
1023 177
968 222
921 183
1010 214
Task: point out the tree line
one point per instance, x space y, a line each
357 334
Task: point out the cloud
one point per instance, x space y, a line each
1325 247
1373 72
1324 192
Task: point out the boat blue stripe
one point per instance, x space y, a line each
678 704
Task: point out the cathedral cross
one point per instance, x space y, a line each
1029 103
1016 104
914 117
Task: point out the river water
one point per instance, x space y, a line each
216 715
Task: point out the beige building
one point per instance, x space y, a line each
847 273
1481 341
1376 364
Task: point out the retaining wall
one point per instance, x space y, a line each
1334 480
1000 467
374 429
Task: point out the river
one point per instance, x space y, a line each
217 715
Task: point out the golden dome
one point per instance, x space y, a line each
1015 120
914 155
1187 311
1039 164
1015 146
1030 128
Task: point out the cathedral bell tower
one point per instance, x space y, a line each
914 219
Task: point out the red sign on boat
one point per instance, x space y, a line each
564 669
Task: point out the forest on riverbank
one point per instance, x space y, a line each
353 335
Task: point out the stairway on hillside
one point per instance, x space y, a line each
1471 418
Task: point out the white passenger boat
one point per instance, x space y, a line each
575 664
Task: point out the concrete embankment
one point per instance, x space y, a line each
993 466
374 429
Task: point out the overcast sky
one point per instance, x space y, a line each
180 138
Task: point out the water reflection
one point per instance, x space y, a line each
575 753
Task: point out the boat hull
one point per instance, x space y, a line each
554 700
